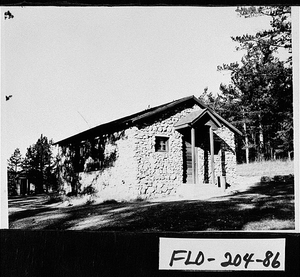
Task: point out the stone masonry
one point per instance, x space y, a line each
141 172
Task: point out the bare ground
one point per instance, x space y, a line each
267 205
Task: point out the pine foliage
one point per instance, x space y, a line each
259 99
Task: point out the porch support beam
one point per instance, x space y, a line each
212 152
193 155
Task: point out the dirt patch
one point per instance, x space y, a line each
267 205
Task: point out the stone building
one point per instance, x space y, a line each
18 183
177 146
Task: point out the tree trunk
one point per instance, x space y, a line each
246 143
261 140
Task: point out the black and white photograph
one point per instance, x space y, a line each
148 119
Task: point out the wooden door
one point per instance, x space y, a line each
187 163
23 186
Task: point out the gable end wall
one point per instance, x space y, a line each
160 173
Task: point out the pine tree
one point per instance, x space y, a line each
262 84
38 163
14 166
15 161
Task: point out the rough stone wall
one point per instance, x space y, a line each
200 165
139 171
160 173
118 181
64 177
228 146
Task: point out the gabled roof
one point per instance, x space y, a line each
128 121
192 118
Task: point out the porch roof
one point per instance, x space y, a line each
194 117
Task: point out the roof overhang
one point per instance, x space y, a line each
139 117
130 120
200 117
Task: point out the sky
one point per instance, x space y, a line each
72 68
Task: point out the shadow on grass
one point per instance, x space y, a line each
267 205
23 201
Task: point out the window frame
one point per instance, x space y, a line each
161 144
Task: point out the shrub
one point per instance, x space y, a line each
54 198
90 200
89 190
110 201
278 179
265 179
70 194
284 178
140 199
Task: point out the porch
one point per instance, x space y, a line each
203 153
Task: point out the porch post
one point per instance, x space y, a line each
193 155
212 151
27 186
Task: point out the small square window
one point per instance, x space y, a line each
161 144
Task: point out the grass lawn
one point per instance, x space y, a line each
266 205
266 168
